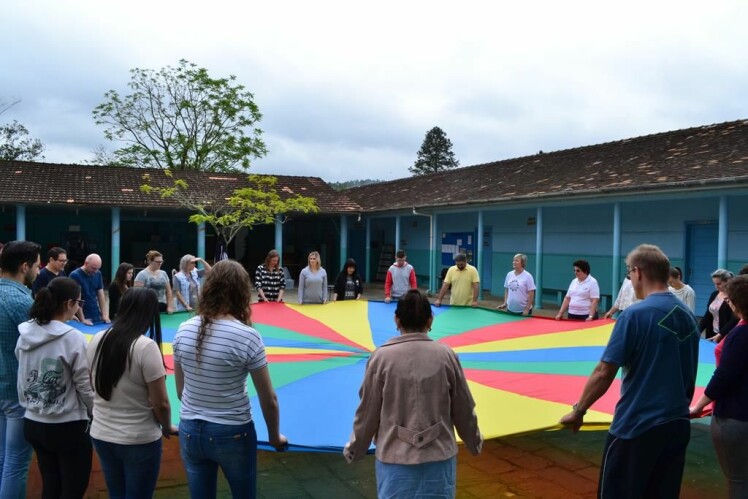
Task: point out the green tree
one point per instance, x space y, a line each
179 118
256 203
15 145
435 154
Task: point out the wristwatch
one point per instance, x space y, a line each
577 411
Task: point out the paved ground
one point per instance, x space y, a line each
548 465
543 465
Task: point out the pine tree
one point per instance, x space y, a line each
435 154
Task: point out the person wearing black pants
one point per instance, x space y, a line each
54 388
63 451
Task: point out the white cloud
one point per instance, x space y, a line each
348 90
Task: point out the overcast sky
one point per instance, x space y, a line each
349 89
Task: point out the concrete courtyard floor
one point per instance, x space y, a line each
555 464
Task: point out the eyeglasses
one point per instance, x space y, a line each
62 261
80 302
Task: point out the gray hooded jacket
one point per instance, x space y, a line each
54 382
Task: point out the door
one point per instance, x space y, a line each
701 261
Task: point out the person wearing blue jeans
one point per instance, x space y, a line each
205 446
130 471
213 354
131 406
15 451
19 262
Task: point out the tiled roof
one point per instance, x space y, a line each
706 156
81 185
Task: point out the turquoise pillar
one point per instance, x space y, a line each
722 234
432 254
367 277
397 233
437 253
343 240
616 251
538 258
116 237
201 240
479 259
20 222
279 238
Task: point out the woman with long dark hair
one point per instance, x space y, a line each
54 386
131 407
413 396
121 283
270 280
213 354
348 283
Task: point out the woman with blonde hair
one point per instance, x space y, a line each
313 281
187 282
154 278
718 320
213 354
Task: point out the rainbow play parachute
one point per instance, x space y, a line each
524 373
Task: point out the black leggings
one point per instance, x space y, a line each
63 451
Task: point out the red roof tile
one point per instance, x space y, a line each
80 185
700 157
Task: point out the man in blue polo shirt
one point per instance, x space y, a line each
19 263
656 342
94 307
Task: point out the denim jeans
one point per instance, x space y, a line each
130 471
436 479
15 451
205 446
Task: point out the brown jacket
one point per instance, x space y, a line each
413 395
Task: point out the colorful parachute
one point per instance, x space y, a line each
524 373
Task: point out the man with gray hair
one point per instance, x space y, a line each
519 288
463 279
656 342
94 307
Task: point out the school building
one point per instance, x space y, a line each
685 191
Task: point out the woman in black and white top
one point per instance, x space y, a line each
270 281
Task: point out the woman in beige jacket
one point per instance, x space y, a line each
413 396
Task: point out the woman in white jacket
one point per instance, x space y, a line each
54 386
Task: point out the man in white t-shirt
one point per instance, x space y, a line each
519 288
